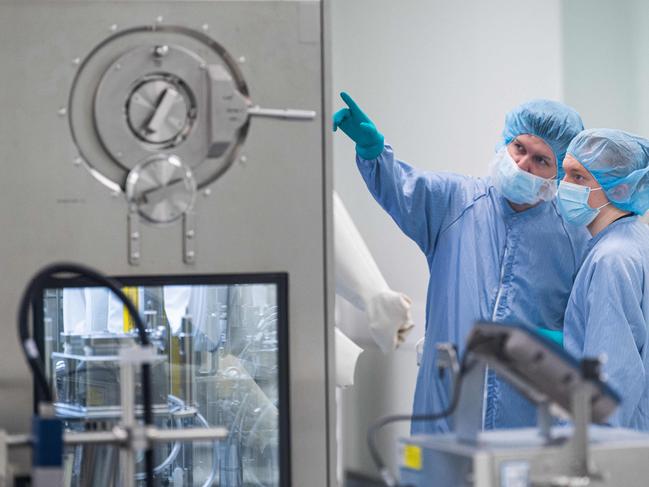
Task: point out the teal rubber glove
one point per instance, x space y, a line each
552 335
359 128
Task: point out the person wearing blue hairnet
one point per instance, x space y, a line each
606 187
496 248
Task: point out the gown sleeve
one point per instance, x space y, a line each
422 203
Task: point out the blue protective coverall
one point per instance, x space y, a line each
486 262
608 313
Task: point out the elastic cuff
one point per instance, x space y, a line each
371 152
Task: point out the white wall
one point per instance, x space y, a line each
437 78
606 65
602 59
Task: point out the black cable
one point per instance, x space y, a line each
32 355
386 475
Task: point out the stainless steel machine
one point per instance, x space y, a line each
566 450
181 146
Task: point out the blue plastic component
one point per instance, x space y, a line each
47 449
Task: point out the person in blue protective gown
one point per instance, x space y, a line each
605 187
496 248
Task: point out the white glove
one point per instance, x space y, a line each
359 281
390 319
347 353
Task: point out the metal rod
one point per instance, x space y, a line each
15 441
282 113
119 436
469 413
156 435
581 408
127 390
545 420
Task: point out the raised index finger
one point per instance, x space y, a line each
351 103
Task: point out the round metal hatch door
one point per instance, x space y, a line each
150 91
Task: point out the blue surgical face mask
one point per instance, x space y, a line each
572 201
520 186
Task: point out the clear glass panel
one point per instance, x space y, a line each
218 355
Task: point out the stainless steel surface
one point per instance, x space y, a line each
189 237
117 436
4 459
269 215
133 236
46 477
581 407
141 102
158 110
133 107
468 417
160 88
511 458
18 440
544 420
185 362
187 434
281 113
559 457
127 394
99 465
162 188
447 359
543 372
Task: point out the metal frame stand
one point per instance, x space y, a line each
129 435
574 467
